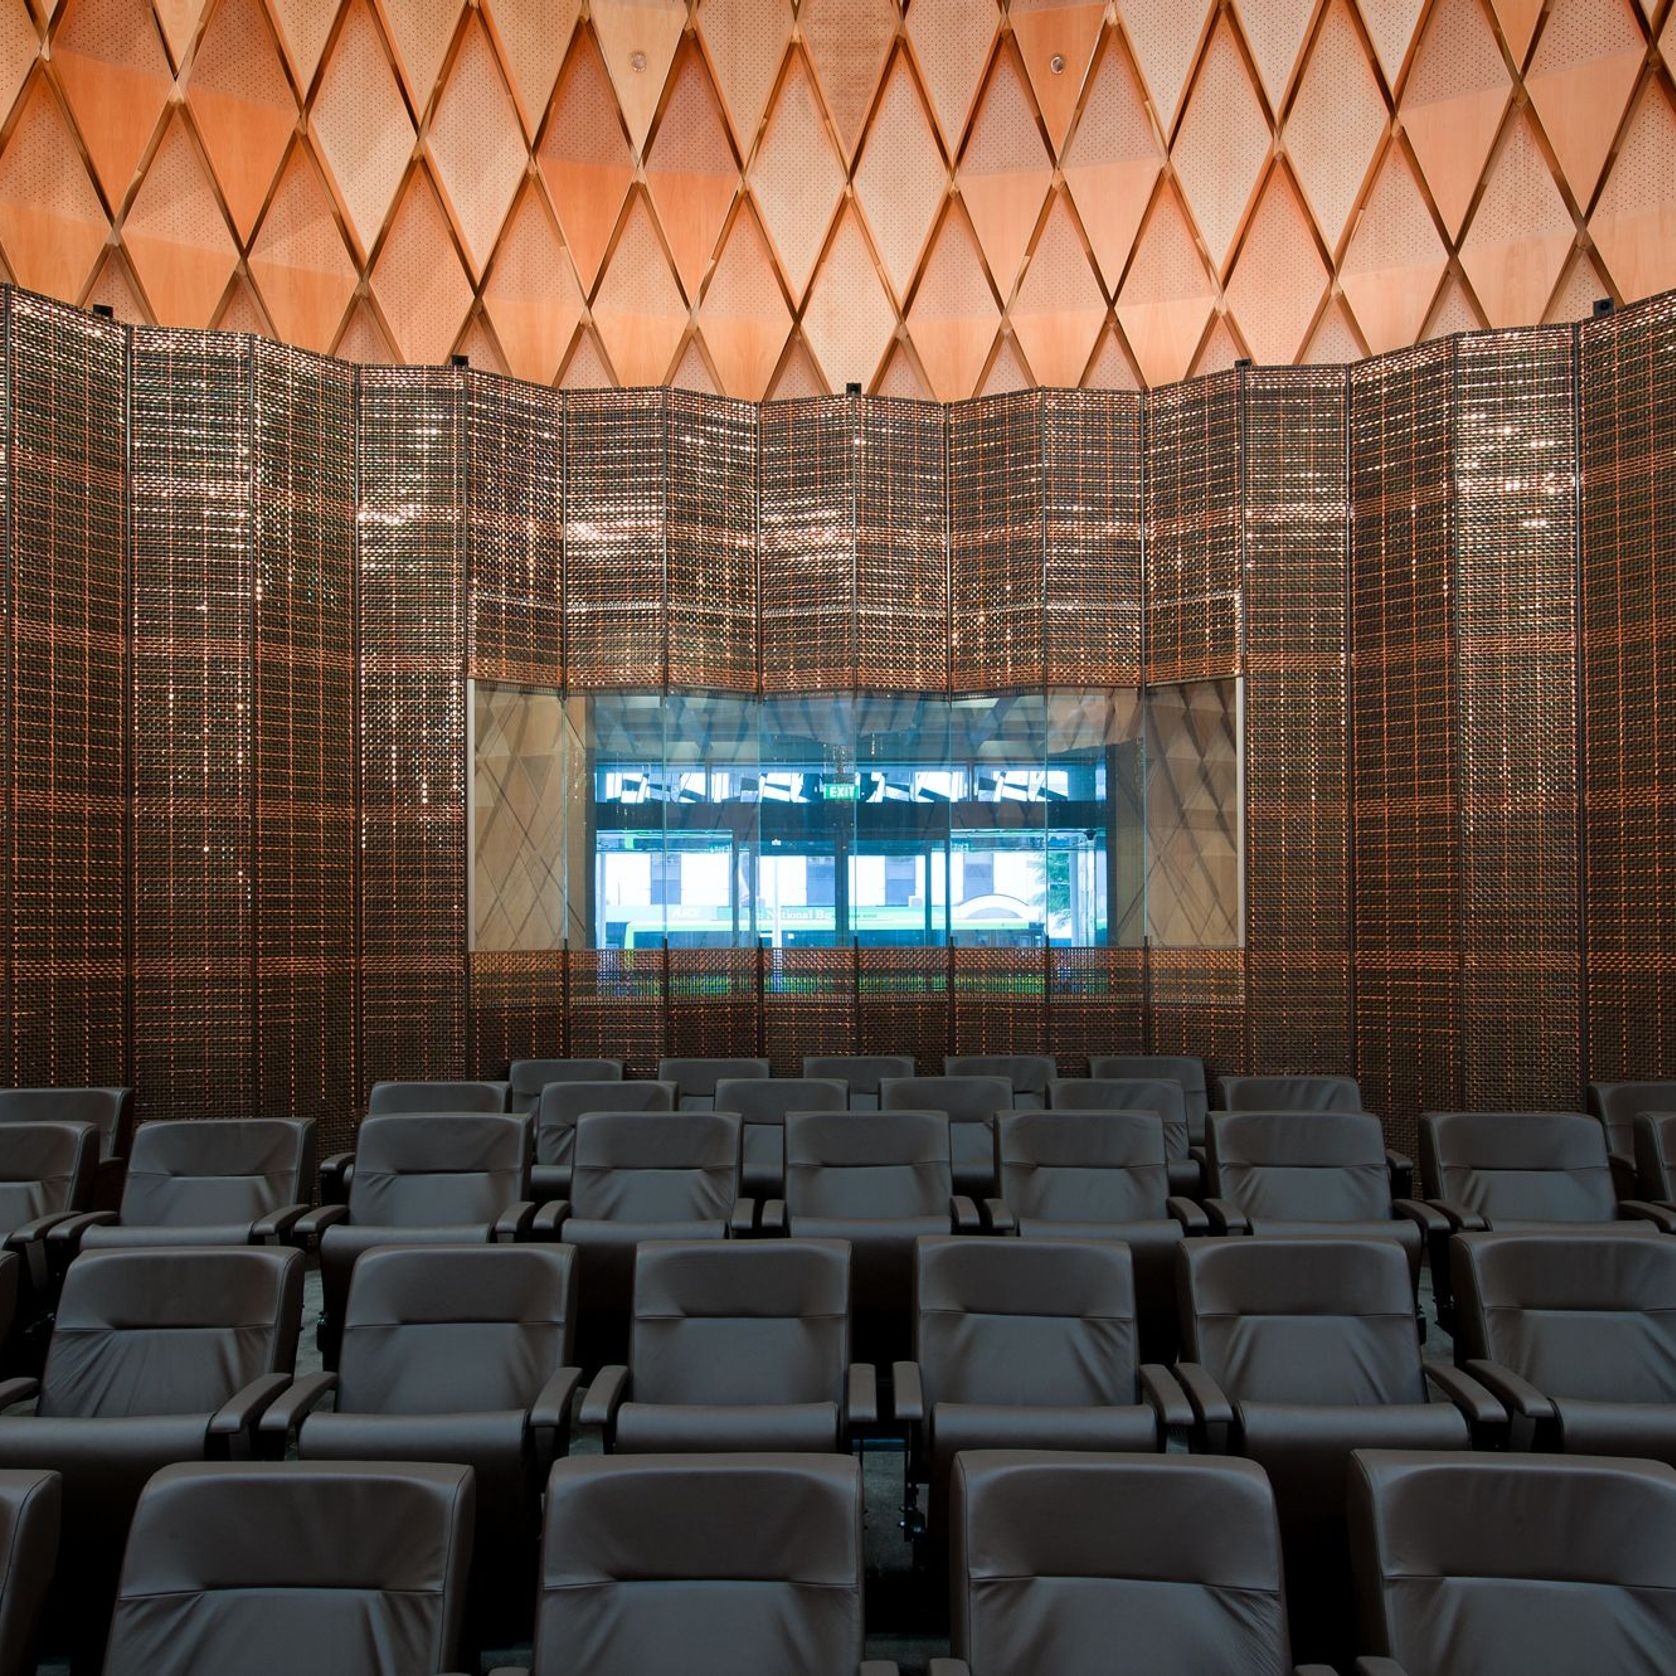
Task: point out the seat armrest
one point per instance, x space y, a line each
307 1229
877 1667
1662 1217
277 1226
948 1667
1429 1220
1460 1219
1313 1670
334 1178
861 1397
1379 1667
64 1238
510 1670
238 1418
289 1409
513 1224
1161 1390
37 1229
742 1219
907 1393
605 1396
1518 1396
1401 1169
550 1419
773 1221
549 1221
14 1391
1201 1156
1226 1217
997 1218
1212 1411
1484 1415
963 1215
1192 1217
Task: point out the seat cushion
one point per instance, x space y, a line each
717 1428
1644 1430
958 1426
121 1238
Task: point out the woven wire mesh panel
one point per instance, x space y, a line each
713 1003
1515 600
1000 1000
517 1007
808 546
192 564
514 512
808 1005
1407 909
1096 1003
1297 902
615 493
67 890
1629 695
996 555
1196 1005
903 1004
712 538
614 1007
413 724
1193 530
902 600
1091 516
6 565
304 739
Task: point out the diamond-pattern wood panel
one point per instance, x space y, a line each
1148 191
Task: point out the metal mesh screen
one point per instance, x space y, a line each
904 1004
614 1007
808 1005
1000 1000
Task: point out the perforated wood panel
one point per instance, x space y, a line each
1141 190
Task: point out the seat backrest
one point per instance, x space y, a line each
1083 1166
1061 1560
697 1078
962 1099
171 1331
705 1564
868 1165
1300 1166
1618 1104
443 1171
45 1167
109 1110
1654 1147
455 1329
389 1098
31 1510
740 1321
1290 1094
219 1172
275 1567
1030 1075
655 1166
1519 1166
861 1072
561 1103
1024 1322
1162 1095
1581 1317
527 1077
1301 1321
1175 1067
768 1099
1505 1564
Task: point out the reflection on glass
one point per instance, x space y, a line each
1073 818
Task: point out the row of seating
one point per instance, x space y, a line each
752 1563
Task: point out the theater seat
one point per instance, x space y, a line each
971 1105
1289 1094
47 1174
527 1077
409 1098
460 1354
738 1345
109 1110
861 1073
156 1356
1082 1565
562 1103
1513 1565
1031 1075
695 1079
1102 1176
1576 1336
761 1105
1187 1072
31 1510
276 1569
1617 1105
706 1565
1296 1352
1159 1095
445 1179
220 1181
1654 1145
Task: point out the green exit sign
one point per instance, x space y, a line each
841 791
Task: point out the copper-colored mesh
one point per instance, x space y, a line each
808 1005
614 1007
1196 1005
1000 1000
517 1007
712 1005
1096 1004
903 1004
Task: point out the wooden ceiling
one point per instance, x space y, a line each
764 198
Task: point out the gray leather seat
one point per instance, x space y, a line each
761 1104
407 1098
47 1176
1653 1144
742 1344
109 1110
1289 1094
272 1568
1032 1075
527 1077
695 1079
1617 1105
31 1511
861 1073
1182 1069
1159 1095
1514 1565
562 1103
971 1105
